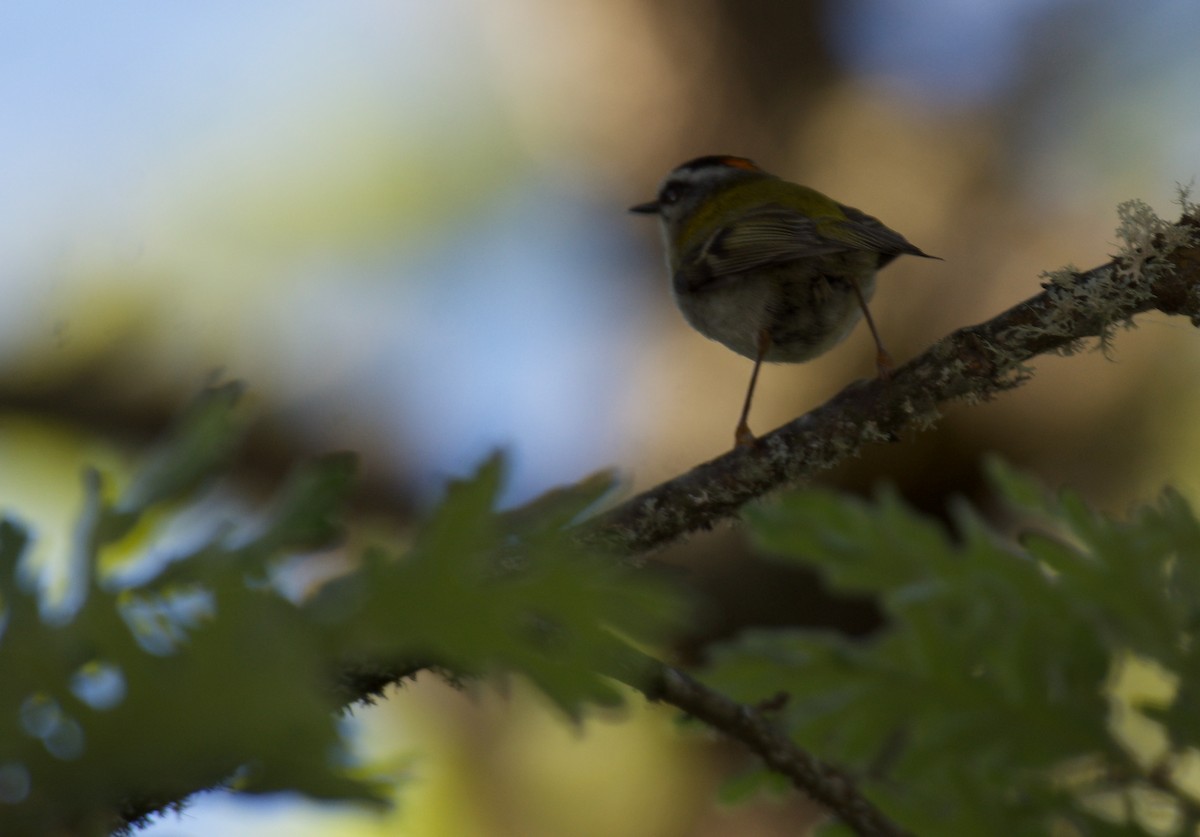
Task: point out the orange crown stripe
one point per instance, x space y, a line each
740 163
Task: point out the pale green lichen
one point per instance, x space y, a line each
1183 197
1146 240
1110 296
871 432
1191 210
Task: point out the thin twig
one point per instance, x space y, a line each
751 728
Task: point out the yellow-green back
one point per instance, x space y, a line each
727 204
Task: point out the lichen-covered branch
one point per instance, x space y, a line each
1158 268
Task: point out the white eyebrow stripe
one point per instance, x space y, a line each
687 177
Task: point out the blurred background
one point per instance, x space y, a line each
403 224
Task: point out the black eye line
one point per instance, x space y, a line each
669 195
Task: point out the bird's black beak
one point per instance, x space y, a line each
648 208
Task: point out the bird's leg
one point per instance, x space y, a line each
883 361
743 437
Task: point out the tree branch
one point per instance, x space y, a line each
749 726
1159 269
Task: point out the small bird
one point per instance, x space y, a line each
773 270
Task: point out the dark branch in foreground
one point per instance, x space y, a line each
751 727
973 363
748 725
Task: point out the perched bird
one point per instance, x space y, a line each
773 270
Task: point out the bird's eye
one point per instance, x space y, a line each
669 196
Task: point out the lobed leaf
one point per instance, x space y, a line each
995 668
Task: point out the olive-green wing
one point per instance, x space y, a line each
860 231
764 237
776 235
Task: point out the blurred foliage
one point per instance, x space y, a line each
206 674
1043 685
992 702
